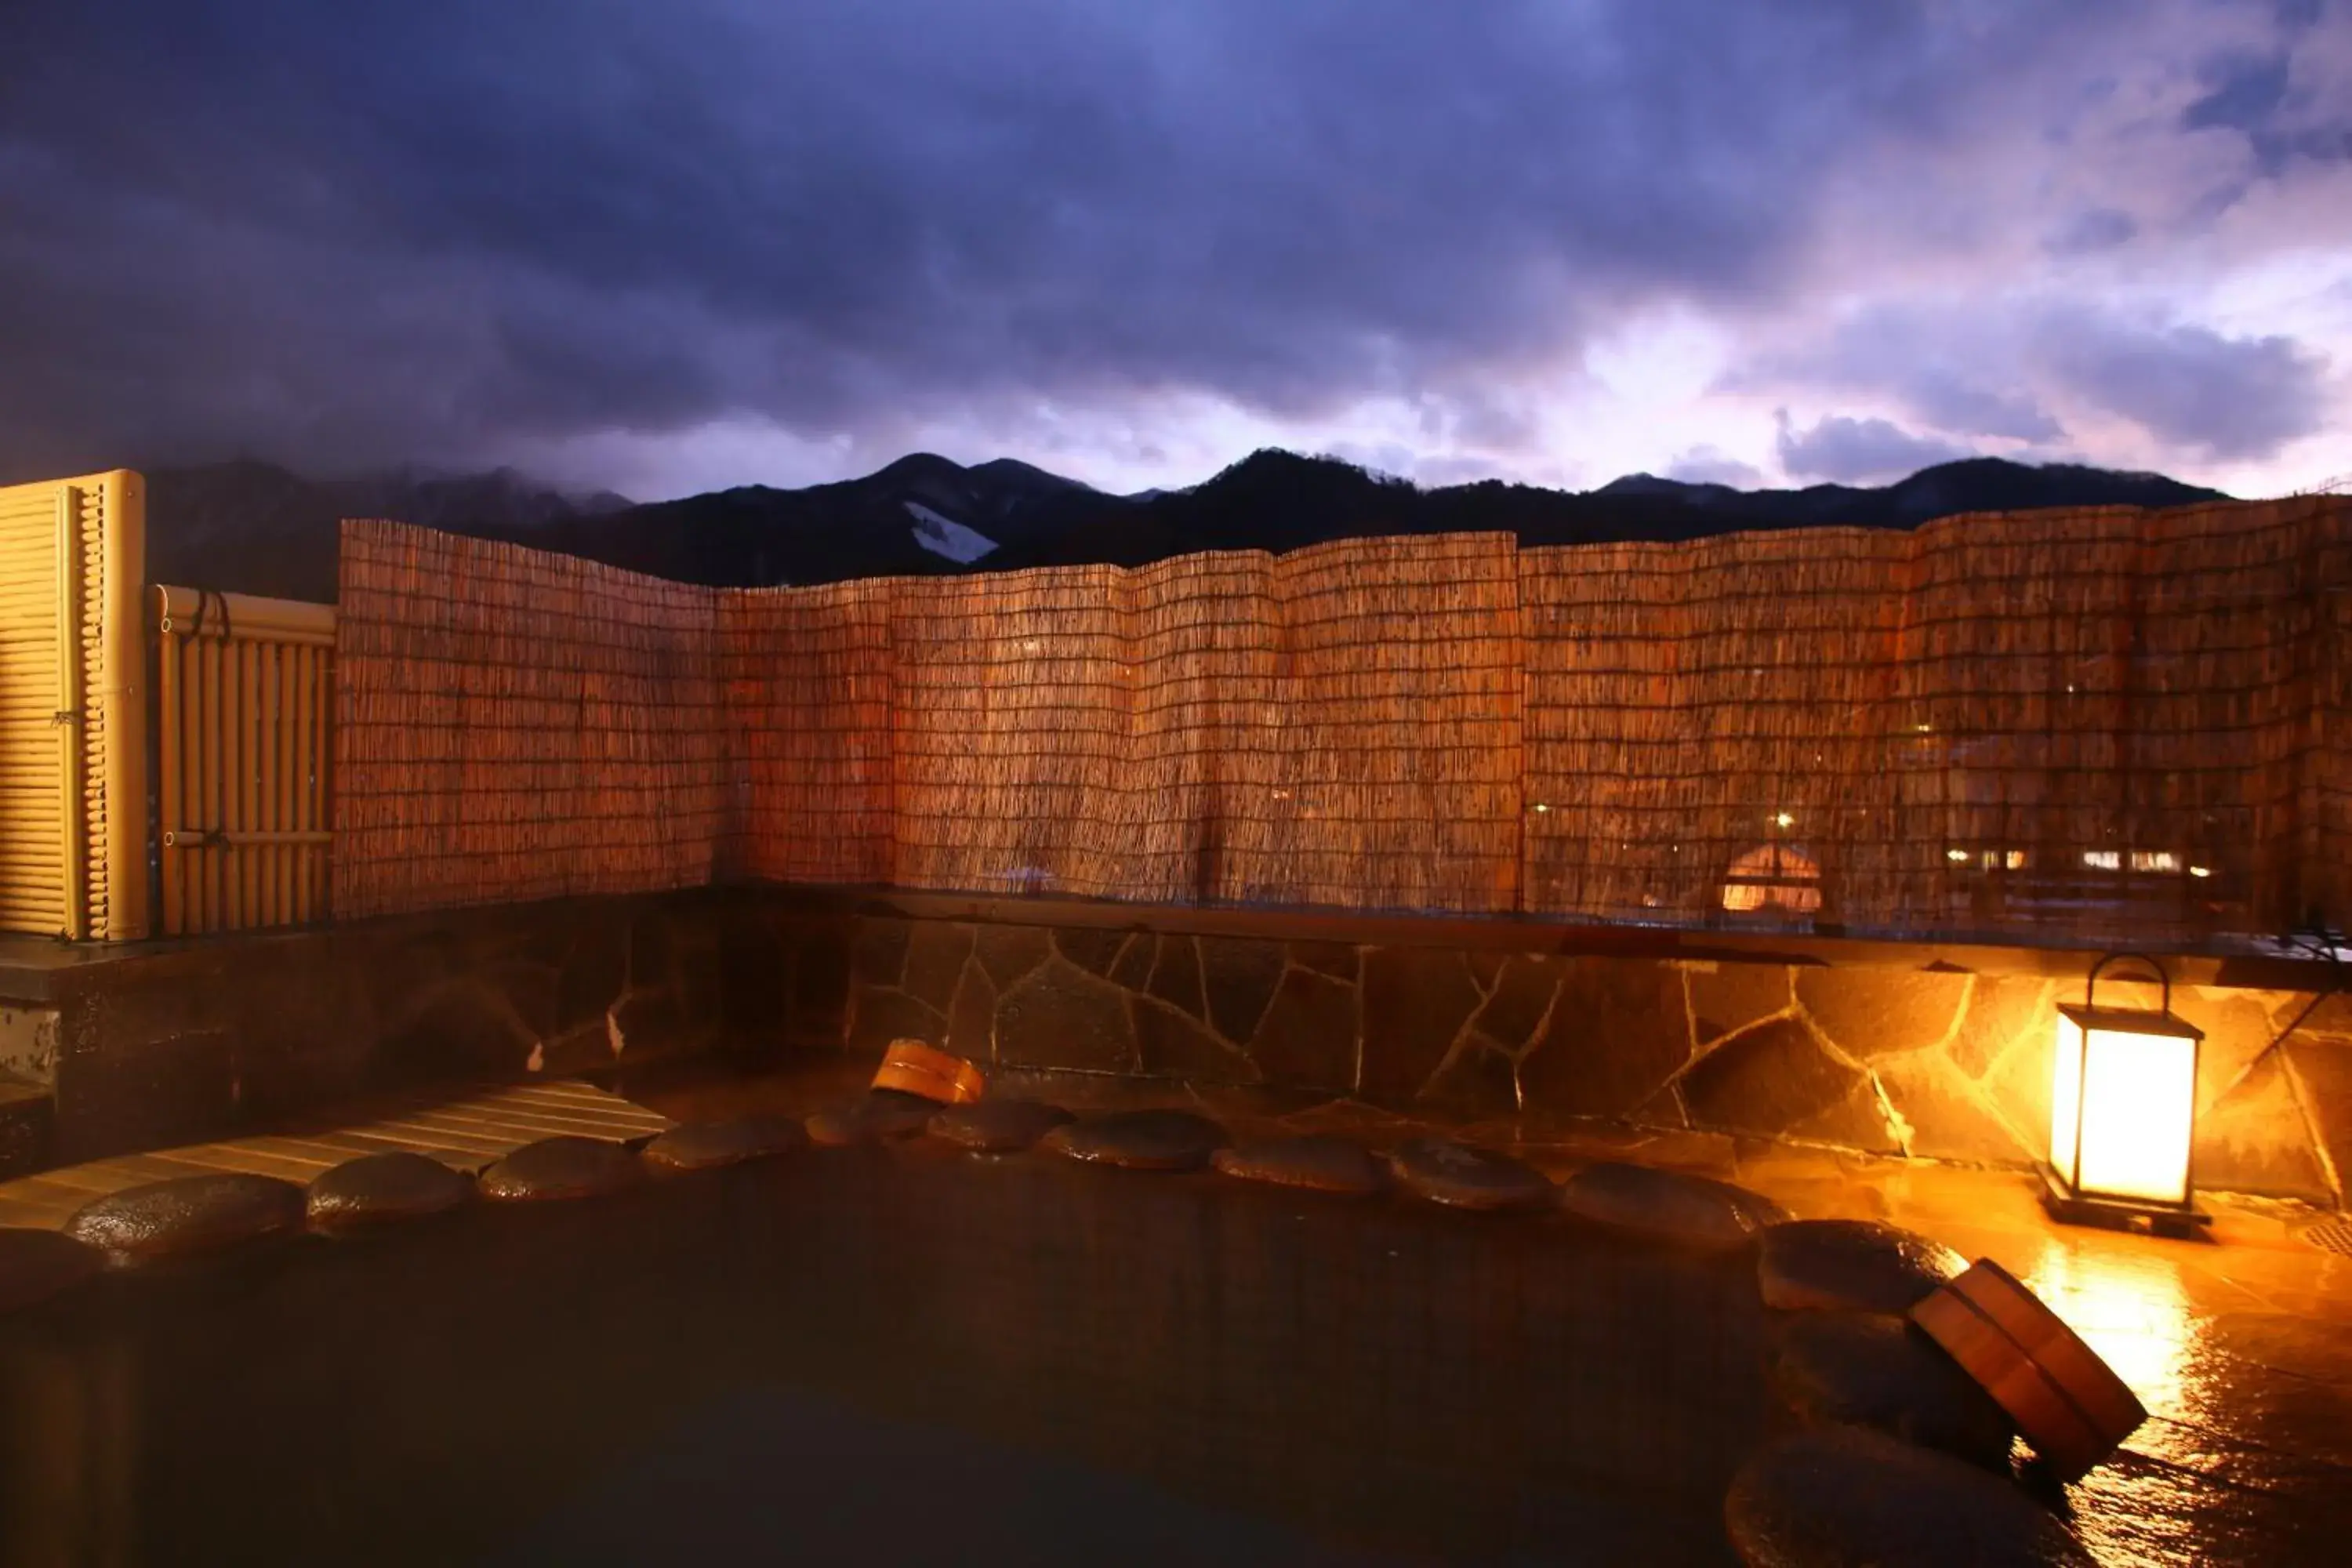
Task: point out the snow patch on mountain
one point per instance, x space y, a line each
946 536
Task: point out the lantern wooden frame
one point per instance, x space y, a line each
2063 1192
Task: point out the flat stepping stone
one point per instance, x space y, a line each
1668 1205
36 1265
188 1215
1862 1369
1140 1139
1844 1497
381 1188
875 1116
563 1167
1850 1266
1317 1162
1004 1126
1461 1176
707 1146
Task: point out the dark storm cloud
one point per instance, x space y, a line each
2094 228
2244 91
2247 94
1855 451
348 232
2221 397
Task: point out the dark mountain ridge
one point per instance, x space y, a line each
250 528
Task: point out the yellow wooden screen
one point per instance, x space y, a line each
242 716
73 760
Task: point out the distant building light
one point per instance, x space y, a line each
2103 860
1785 820
2201 870
2155 860
1541 806
2017 859
1956 856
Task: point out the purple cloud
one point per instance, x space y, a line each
2223 397
1711 465
1845 450
354 234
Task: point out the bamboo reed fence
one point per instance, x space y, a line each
2091 724
243 690
512 725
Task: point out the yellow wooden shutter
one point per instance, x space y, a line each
73 754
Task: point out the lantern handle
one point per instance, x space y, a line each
2162 978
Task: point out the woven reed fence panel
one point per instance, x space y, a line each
807 675
2097 723
512 725
1011 699
1682 699
2323 781
1205 750
1396 727
2101 722
1337 726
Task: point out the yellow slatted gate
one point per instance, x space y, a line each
73 755
243 705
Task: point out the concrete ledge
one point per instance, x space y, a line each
166 1043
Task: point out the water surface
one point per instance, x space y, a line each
896 1356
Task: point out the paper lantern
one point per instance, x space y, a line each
2123 1112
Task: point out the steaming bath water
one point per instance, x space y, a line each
896 1356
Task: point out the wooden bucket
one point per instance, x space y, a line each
2068 1403
914 1068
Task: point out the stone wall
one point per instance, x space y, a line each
1938 1065
203 1039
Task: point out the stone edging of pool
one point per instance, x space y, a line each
1879 1409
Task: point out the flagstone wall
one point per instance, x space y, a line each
1943 1066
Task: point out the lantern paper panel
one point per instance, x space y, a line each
2130 1088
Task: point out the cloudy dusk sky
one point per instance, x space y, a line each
672 245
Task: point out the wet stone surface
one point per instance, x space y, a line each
1140 1139
705 1145
188 1213
1004 1126
1862 1369
379 1188
875 1116
1850 1266
565 1167
1317 1162
1463 1176
1668 1205
36 1265
1842 1497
